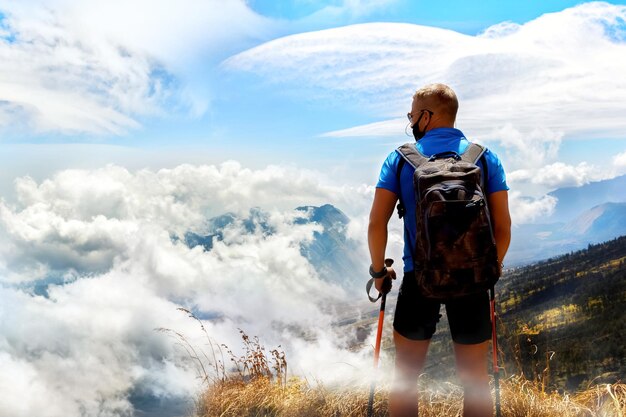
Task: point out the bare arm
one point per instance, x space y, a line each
501 221
382 209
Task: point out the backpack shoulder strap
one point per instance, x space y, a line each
401 208
473 153
485 177
409 152
418 159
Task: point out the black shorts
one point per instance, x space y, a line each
416 317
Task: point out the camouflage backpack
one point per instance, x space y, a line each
454 252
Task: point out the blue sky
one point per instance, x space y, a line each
204 83
458 15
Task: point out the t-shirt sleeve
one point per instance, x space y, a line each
388 178
497 177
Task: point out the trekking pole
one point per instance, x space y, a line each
496 369
379 333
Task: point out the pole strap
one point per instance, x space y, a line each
368 287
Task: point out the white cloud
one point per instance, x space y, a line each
559 175
358 62
500 30
344 10
79 210
542 76
527 210
532 149
619 161
85 347
101 242
98 66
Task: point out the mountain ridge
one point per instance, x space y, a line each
534 242
595 221
571 201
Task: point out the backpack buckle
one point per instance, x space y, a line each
474 203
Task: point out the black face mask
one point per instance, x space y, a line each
417 133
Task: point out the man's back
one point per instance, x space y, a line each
435 141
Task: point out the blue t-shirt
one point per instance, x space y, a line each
435 141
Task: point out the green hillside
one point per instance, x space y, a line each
563 320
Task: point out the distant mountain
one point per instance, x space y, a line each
327 215
534 242
592 213
600 223
335 257
256 221
572 201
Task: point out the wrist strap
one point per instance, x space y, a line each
368 287
378 274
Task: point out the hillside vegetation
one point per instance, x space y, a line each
563 321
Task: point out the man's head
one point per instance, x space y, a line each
434 105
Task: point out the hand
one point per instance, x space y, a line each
383 285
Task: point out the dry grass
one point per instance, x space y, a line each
524 398
255 385
265 393
263 398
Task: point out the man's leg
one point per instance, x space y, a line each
410 358
471 365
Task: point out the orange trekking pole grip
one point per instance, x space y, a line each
379 334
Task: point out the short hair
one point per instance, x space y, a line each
441 97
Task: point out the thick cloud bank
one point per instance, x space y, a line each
92 261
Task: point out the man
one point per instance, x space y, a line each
432 117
